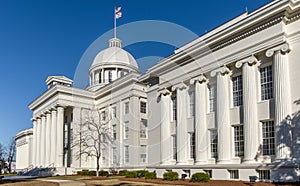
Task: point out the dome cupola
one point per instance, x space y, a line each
111 64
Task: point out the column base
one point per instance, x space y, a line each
166 163
182 163
249 161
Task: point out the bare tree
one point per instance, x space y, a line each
92 134
2 158
11 154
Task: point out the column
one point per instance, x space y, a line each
48 140
166 143
93 78
53 136
251 123
223 120
43 141
201 131
34 151
60 137
38 142
282 96
181 133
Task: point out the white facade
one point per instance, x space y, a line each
226 103
24 149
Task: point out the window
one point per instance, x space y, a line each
192 146
234 174
113 112
109 76
268 138
126 129
208 172
266 81
214 144
126 107
174 105
211 95
103 117
143 128
143 154
174 143
114 132
115 155
143 107
237 86
264 175
126 154
192 104
239 140
100 78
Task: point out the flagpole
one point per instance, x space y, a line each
115 24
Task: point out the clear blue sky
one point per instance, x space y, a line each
39 38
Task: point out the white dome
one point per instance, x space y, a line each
115 55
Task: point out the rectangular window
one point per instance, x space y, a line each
109 76
192 104
268 138
143 107
143 128
126 129
192 146
266 83
103 117
234 174
143 154
237 90
113 112
211 95
126 154
115 155
126 107
174 110
214 144
239 140
174 147
114 132
264 175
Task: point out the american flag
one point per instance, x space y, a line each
118 12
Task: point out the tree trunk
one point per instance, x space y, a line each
98 166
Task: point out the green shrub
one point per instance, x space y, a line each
87 173
131 174
103 173
92 173
200 177
150 175
170 176
122 172
141 172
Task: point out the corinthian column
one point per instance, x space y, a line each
60 137
223 120
201 132
251 124
282 96
182 135
48 140
34 151
43 141
166 148
53 136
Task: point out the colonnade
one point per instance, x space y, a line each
249 66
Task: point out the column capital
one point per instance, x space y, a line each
222 70
33 119
284 48
179 86
164 92
252 60
60 106
200 79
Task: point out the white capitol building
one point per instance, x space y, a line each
233 115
